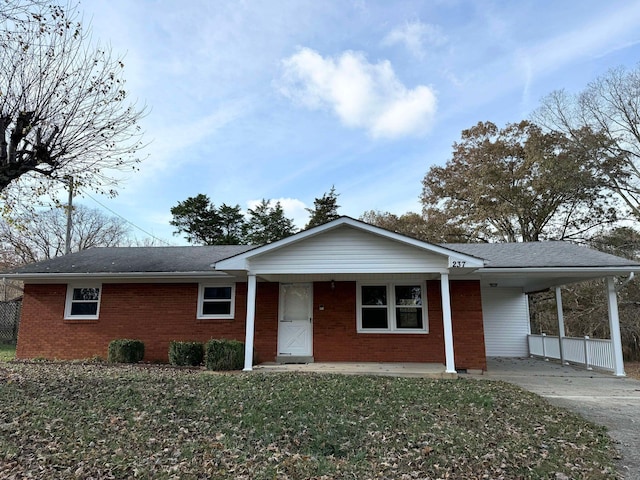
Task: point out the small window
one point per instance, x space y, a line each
83 302
391 308
216 301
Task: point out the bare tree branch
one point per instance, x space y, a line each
41 235
64 110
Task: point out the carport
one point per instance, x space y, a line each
538 266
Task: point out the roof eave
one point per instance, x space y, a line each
613 270
111 275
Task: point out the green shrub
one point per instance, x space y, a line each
124 350
224 354
186 353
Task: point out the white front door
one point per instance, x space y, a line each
295 326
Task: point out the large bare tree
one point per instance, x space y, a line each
34 236
64 111
610 107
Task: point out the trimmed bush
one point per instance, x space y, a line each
124 350
224 355
186 353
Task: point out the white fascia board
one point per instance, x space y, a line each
350 271
27 277
557 270
241 261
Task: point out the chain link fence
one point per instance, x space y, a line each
9 320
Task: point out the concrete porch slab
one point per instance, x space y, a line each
420 370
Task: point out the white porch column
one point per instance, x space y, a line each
446 320
250 323
614 328
561 333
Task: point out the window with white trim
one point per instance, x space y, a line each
392 308
83 302
216 301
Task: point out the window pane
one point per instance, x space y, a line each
374 318
296 302
217 293
408 295
90 308
216 308
86 293
374 295
409 317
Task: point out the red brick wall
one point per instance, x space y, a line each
335 337
160 313
153 313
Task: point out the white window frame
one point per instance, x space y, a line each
391 308
70 301
201 301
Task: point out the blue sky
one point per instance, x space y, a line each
282 99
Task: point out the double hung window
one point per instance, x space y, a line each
392 308
83 302
216 301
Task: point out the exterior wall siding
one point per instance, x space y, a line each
160 313
506 322
348 250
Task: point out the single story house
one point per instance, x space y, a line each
345 291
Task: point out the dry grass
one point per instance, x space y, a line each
632 369
69 421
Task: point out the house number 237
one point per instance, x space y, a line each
458 263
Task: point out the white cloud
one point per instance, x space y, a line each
361 94
415 35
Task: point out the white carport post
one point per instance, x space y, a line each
250 323
614 328
561 333
446 320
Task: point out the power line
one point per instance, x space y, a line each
126 220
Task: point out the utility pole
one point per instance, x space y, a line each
67 246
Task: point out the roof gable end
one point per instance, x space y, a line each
346 244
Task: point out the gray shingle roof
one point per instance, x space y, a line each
538 255
137 260
198 259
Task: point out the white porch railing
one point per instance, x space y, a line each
590 352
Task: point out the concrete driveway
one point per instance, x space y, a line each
600 397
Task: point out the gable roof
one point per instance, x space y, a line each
537 258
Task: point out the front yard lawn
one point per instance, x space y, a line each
63 420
